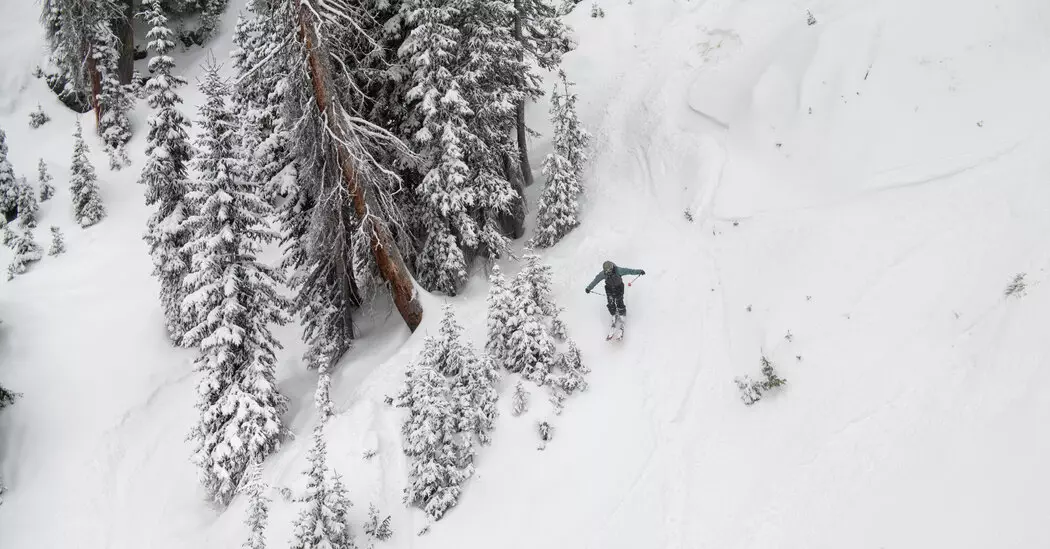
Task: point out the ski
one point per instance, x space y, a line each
617 328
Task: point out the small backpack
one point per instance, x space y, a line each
613 279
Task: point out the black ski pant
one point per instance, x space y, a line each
614 300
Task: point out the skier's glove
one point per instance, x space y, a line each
643 271
587 290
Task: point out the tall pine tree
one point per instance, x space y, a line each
28 208
501 312
47 190
441 459
115 100
257 96
440 113
559 205
8 183
233 299
166 173
544 39
258 508
324 523
83 184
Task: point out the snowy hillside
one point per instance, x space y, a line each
849 199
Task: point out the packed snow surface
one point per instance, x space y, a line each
862 190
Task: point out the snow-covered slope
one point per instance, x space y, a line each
869 184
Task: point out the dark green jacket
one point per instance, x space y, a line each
622 271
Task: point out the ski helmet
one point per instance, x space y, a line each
608 266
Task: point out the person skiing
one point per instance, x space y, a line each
613 277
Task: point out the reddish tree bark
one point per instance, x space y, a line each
387 255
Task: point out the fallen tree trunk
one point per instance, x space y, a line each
387 255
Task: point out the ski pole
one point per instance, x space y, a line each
633 279
598 293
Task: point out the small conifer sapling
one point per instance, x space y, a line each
58 243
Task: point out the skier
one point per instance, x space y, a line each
613 277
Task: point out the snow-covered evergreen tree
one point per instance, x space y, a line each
492 62
441 113
544 39
166 173
441 459
211 13
559 205
115 100
751 390
567 377
324 523
26 251
233 298
83 184
477 397
258 508
530 346
501 310
323 397
58 244
257 95
8 183
453 355
47 190
69 26
375 529
28 207
6 233
520 400
38 117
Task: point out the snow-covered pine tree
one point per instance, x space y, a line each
69 26
257 96
38 117
530 346
233 299
520 400
440 113
258 508
83 184
544 39
26 251
559 205
47 190
501 312
324 523
533 283
492 62
211 12
166 173
58 244
322 396
452 355
6 233
476 397
8 183
568 376
441 459
375 529
28 207
115 100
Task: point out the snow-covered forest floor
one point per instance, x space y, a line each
849 199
